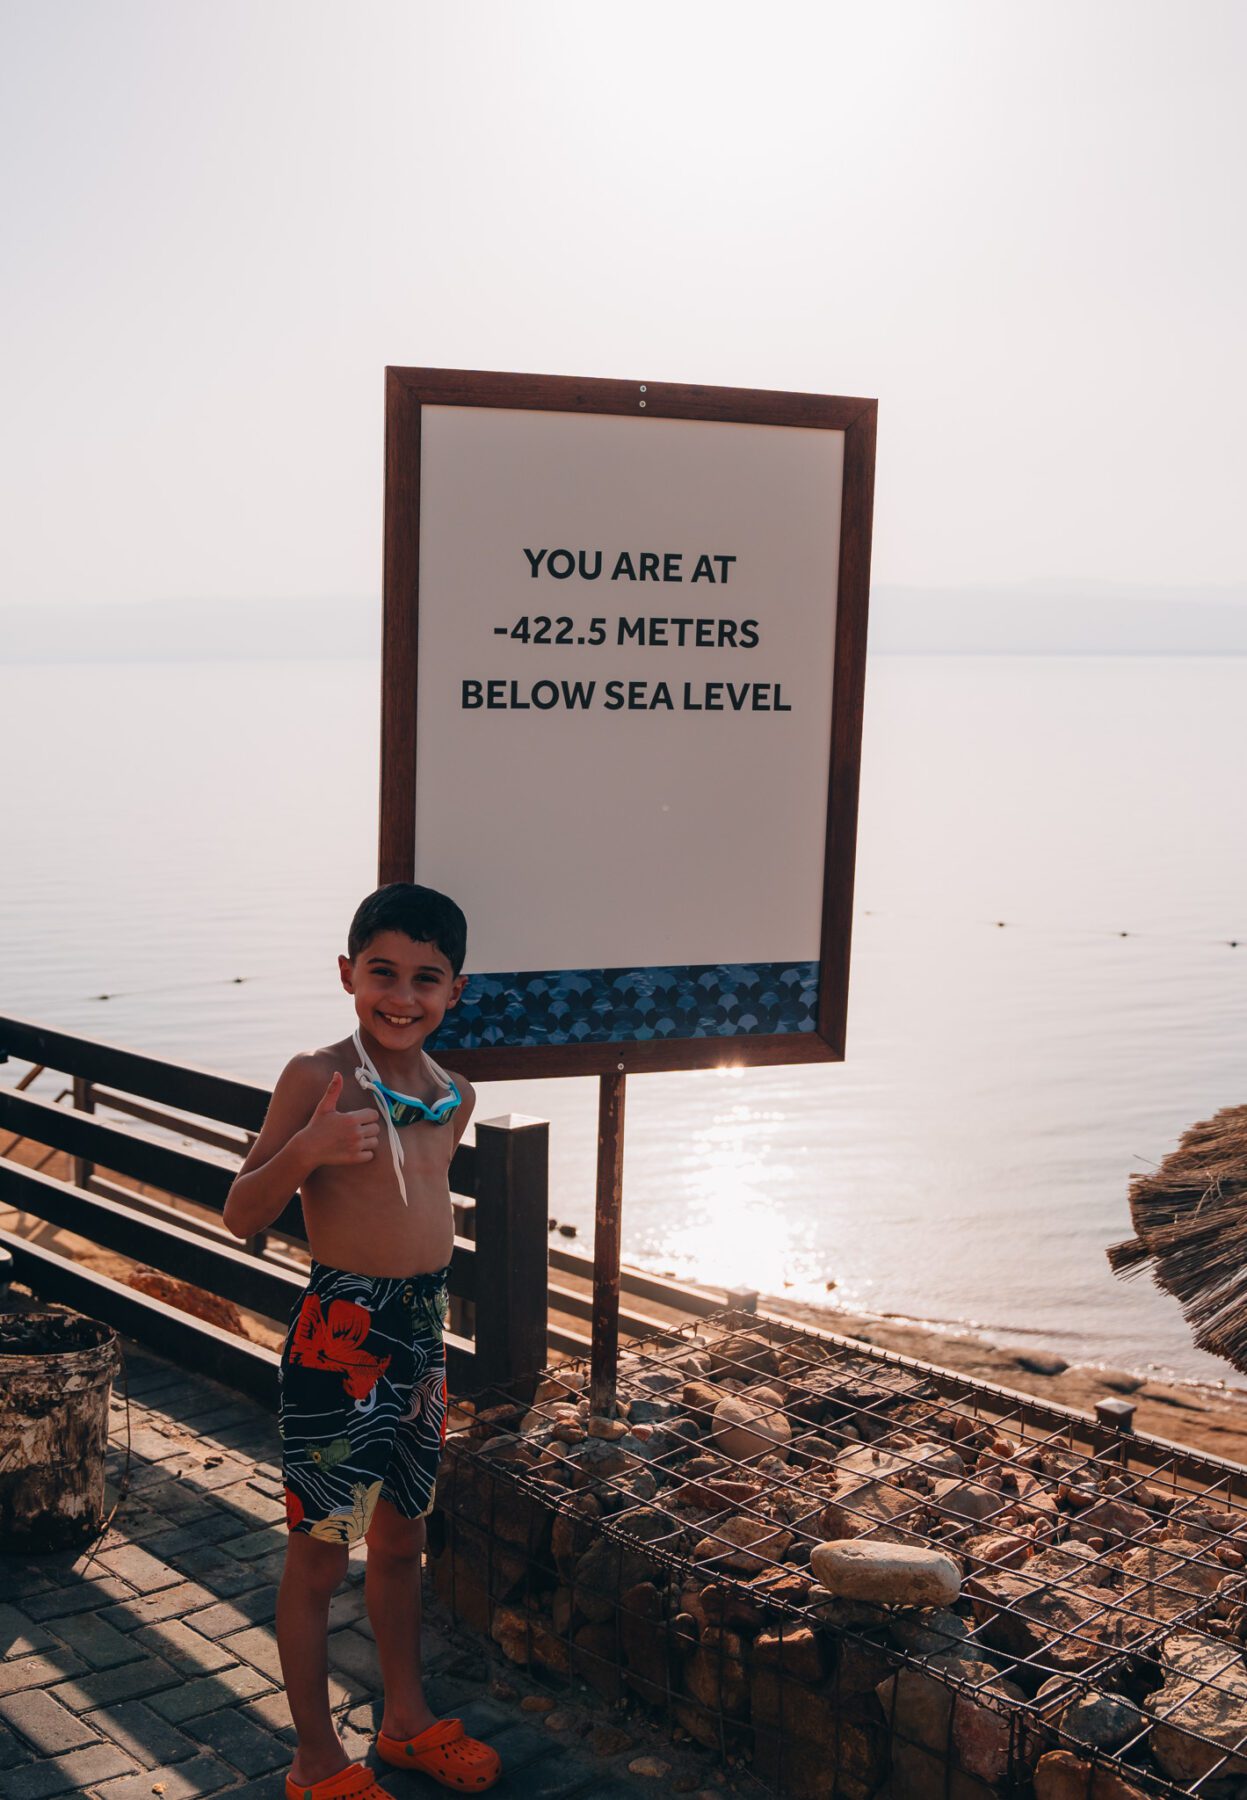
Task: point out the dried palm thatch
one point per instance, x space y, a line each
1190 1221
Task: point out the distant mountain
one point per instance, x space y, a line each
1053 619
179 630
1059 619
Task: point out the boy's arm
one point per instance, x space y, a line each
302 1131
464 1113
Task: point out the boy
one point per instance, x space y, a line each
365 1130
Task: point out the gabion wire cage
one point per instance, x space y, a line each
1093 1652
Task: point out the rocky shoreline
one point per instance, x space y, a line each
1210 1419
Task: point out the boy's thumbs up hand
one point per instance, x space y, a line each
329 1099
336 1138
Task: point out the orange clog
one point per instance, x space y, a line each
446 1753
353 1783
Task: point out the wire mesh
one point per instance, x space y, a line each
1091 1648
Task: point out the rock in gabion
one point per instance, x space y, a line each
888 1574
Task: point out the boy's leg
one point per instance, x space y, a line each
392 1593
314 1570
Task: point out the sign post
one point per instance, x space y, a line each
607 1221
624 653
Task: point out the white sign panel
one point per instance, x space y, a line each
627 632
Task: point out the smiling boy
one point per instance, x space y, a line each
365 1130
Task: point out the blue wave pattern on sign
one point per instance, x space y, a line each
603 1006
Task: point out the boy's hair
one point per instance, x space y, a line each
421 913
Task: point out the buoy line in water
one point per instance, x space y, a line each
1104 931
174 987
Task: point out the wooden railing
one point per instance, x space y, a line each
501 1182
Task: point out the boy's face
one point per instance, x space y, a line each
402 989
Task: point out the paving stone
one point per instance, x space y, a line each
483 1718
225 1575
558 1776
448 1694
260 1440
184 1781
192 1698
197 1534
209 1411
143 1386
620 1790
355 1654
76 1597
189 1653
261 1500
242 1743
96 1641
347 1605
255 1608
179 1502
133 1524
206 1480
13 1750
143 1734
130 1682
67 1774
272 1711
39 1671
174 1399
19 1635
150 1609
141 1571
357 1744
246 1501
366 1716
273 1567
152 1445
44 1722
519 1743
146 1477
256 1543
258 1646
168 1542
18 1578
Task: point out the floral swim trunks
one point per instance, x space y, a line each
362 1399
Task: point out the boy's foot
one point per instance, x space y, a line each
352 1783
445 1753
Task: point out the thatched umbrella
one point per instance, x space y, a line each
1190 1220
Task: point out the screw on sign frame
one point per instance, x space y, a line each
408 391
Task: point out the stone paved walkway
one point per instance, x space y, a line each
148 1665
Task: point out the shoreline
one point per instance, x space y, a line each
1199 1415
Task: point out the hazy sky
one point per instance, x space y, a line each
1019 226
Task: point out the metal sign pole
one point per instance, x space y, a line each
606 1225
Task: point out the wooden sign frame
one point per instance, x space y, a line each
408 391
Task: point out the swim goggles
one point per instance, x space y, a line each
403 1109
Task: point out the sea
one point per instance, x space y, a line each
1049 968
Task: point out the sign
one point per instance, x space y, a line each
622 692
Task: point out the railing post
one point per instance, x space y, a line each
84 1101
462 1316
512 1205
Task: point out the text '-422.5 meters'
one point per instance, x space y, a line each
665 633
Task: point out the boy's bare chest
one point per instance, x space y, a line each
424 1173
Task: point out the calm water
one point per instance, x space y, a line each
168 828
